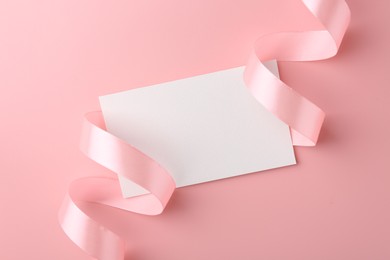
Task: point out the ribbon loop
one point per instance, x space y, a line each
304 118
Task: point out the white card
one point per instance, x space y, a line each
199 129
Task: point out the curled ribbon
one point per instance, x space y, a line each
304 118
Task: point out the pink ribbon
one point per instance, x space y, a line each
304 118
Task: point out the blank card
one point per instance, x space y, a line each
200 129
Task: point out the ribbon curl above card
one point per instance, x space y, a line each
304 118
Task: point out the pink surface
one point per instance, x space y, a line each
302 116
56 58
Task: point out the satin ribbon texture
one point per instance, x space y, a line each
304 118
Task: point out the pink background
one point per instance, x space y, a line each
57 57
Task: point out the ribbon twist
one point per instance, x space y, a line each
120 157
304 118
